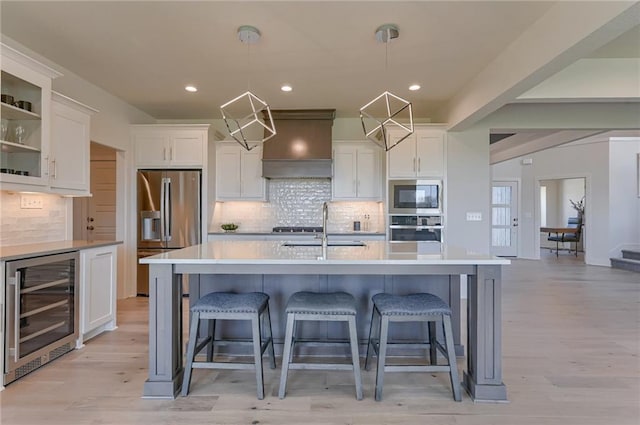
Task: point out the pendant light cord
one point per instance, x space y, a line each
248 66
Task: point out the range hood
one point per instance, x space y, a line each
302 146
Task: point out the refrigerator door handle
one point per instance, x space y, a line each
163 210
168 211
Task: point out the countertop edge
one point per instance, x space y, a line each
17 252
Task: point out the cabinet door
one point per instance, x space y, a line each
368 176
344 172
99 287
402 160
252 184
152 150
186 150
228 176
69 151
430 154
24 154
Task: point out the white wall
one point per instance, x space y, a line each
612 214
624 202
468 189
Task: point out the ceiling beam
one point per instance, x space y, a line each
566 33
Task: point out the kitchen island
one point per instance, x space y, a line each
280 270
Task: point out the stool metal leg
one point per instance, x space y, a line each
191 348
286 354
453 366
257 354
355 356
374 328
272 353
433 349
382 354
212 335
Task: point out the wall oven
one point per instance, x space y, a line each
415 197
427 231
41 320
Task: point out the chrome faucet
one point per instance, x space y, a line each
325 216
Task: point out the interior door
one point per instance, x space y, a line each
504 219
101 223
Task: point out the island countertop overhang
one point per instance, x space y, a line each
262 253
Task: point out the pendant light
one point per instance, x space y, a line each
387 110
243 113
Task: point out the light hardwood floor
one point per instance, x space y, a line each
571 345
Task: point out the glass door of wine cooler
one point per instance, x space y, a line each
42 311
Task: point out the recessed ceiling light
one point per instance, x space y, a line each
414 87
191 89
286 87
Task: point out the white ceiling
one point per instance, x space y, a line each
146 52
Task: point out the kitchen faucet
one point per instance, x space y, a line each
325 216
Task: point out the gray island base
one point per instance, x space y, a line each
279 270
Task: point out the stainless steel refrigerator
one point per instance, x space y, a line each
169 214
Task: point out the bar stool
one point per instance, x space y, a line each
333 306
229 306
419 307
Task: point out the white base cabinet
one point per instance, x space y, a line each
97 291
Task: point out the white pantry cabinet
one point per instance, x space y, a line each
97 290
356 171
170 146
69 156
421 155
239 173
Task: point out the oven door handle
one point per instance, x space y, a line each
406 226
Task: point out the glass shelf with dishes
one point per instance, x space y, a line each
20 128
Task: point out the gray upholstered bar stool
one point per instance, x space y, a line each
253 306
332 306
419 307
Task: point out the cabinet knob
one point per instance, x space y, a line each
90 227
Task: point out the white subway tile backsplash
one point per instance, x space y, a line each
24 226
298 202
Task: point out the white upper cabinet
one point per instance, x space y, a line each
70 143
170 146
239 173
356 171
26 121
421 155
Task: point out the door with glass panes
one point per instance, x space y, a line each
504 219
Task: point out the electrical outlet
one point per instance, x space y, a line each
474 216
31 202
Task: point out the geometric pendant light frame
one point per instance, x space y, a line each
244 114
387 110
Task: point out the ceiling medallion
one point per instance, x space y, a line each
243 114
387 110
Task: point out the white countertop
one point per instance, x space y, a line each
16 252
273 252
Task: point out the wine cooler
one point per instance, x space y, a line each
41 311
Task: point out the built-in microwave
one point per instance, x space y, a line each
415 197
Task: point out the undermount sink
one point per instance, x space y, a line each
317 242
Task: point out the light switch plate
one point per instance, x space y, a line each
31 202
474 216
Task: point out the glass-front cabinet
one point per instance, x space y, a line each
25 110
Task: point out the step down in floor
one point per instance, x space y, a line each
630 260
